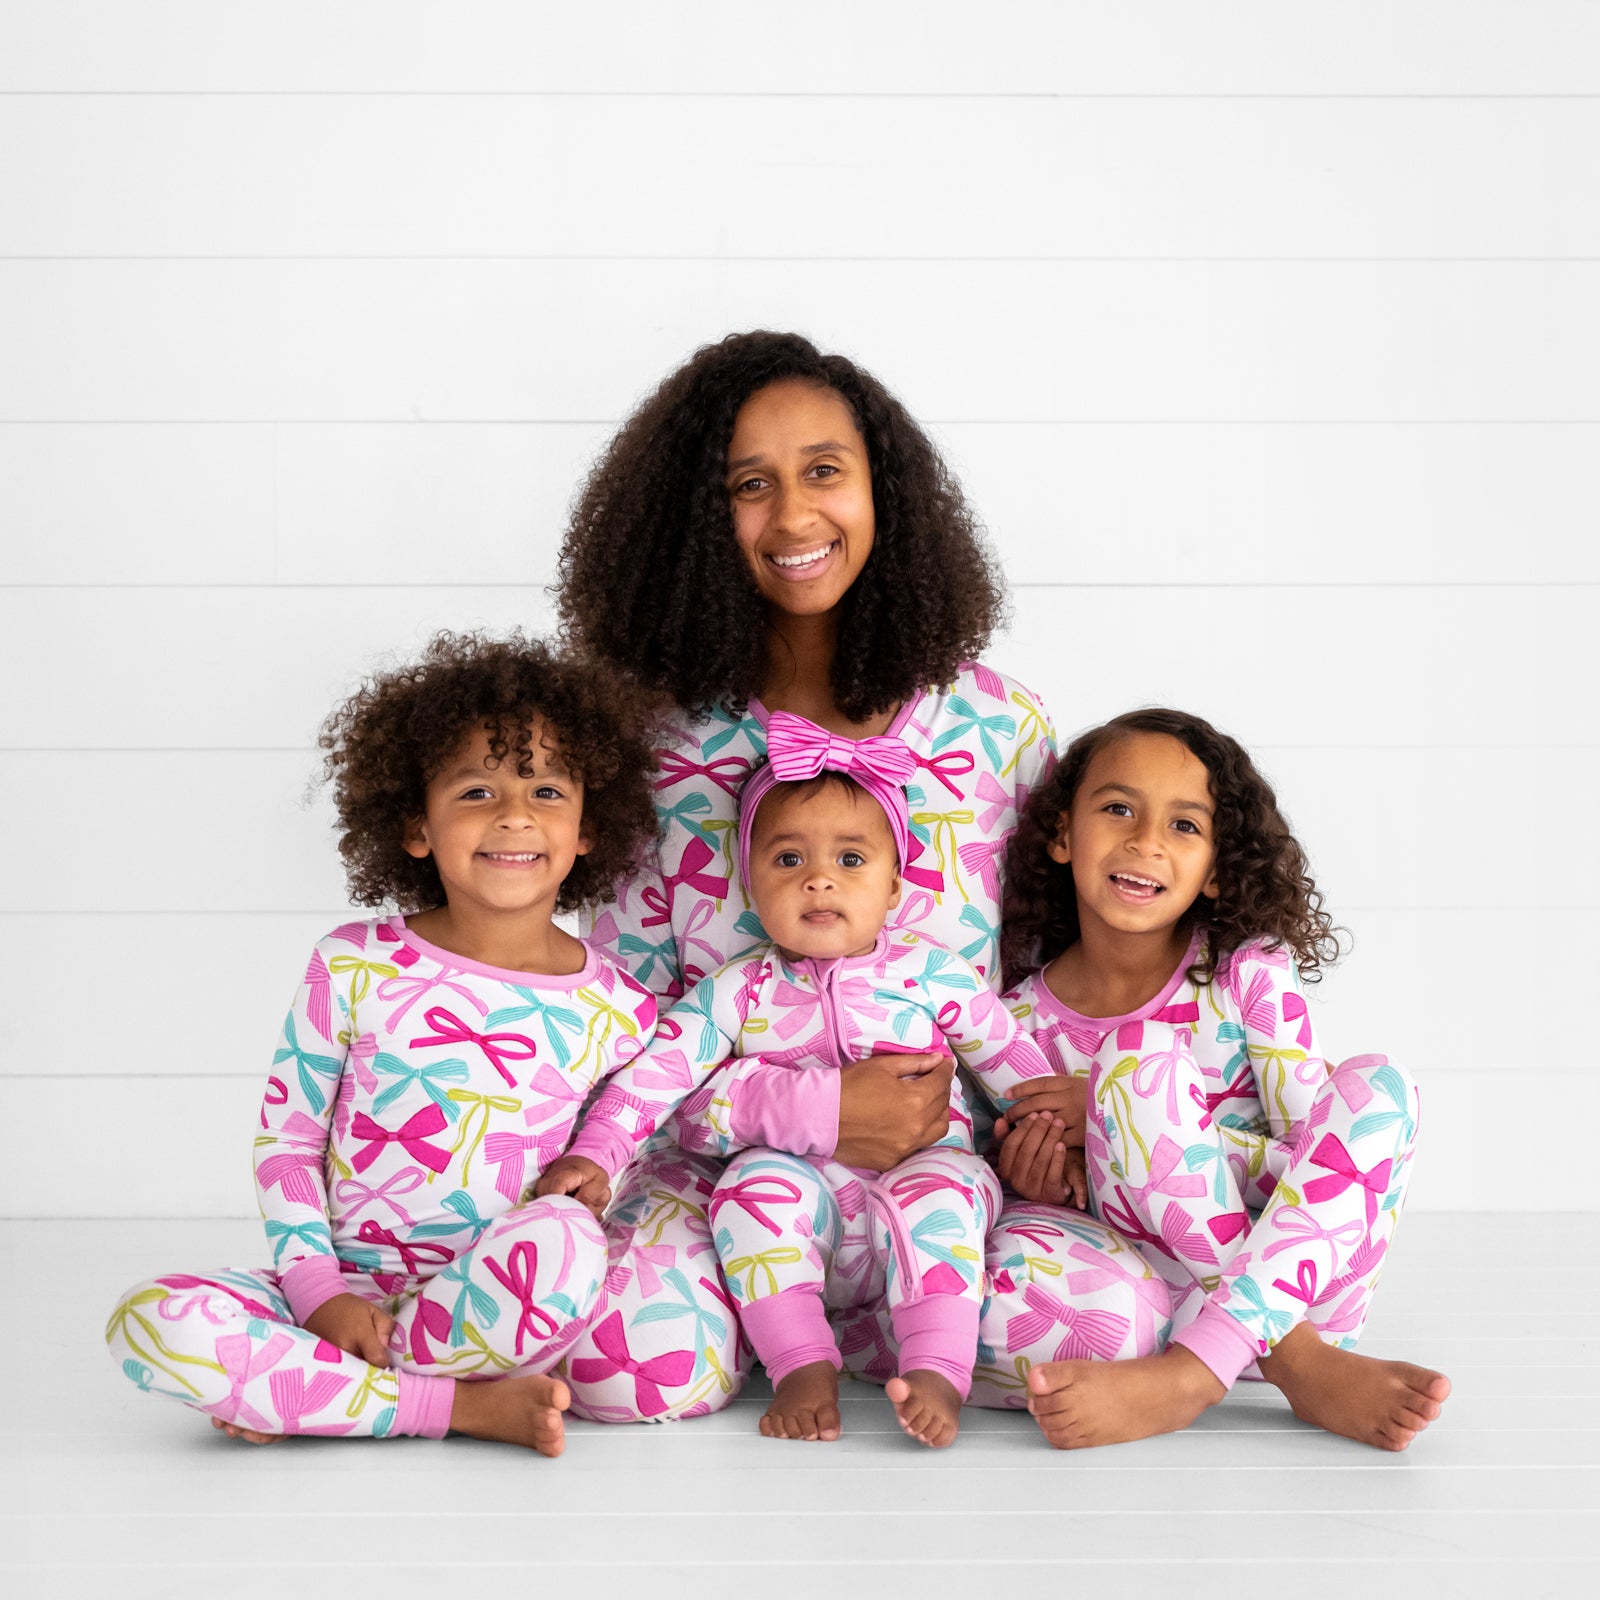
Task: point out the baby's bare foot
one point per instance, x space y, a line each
1382 1403
927 1405
805 1404
525 1411
1082 1403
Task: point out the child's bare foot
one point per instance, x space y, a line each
249 1435
1382 1403
927 1405
525 1411
1081 1403
805 1404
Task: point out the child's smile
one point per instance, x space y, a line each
1139 836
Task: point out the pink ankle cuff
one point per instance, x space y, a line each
423 1405
938 1333
1224 1345
789 1330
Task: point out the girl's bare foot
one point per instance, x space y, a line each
525 1411
805 1404
1081 1403
927 1405
249 1435
1382 1403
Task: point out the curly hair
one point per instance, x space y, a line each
1264 885
652 578
388 740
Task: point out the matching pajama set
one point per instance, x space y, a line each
797 1233
1054 1283
1263 1185
414 1098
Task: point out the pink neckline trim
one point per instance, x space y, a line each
528 980
1046 1000
901 717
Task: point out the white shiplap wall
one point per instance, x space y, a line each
1265 336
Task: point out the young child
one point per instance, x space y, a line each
823 832
429 1067
1158 881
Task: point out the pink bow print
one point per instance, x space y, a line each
799 750
498 1047
697 856
674 1368
518 1278
1088 1333
1332 1156
750 1194
727 772
412 1138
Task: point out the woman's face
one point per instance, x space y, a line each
800 487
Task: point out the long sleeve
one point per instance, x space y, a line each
979 1027
1267 1021
290 1151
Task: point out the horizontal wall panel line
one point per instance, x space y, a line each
274 585
311 751
1003 96
928 421
995 259
358 912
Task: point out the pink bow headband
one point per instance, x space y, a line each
798 750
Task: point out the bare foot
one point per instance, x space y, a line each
249 1435
927 1405
1382 1403
1081 1403
525 1411
805 1404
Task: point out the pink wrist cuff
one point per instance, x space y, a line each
422 1406
605 1145
938 1333
1223 1344
793 1109
311 1283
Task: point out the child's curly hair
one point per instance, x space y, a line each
653 580
399 729
1265 890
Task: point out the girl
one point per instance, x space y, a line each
1156 877
771 531
823 830
429 1067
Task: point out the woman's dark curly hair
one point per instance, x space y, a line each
652 578
1264 885
399 729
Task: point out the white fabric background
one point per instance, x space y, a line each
1266 338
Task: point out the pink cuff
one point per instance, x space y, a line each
938 1333
1223 1344
311 1283
422 1405
793 1109
789 1330
604 1144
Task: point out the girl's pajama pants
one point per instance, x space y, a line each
644 1328
1165 1173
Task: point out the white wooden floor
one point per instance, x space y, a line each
107 1492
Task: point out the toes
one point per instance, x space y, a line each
829 1422
560 1395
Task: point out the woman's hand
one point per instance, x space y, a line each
579 1176
1066 1099
891 1106
356 1326
1036 1161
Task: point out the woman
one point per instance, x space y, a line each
772 531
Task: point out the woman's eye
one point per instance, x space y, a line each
749 485
824 469
852 858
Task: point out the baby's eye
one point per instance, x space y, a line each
788 858
476 792
852 858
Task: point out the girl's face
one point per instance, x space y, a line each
800 486
823 871
503 844
1139 835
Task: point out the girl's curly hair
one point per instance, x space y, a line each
652 578
399 729
1265 889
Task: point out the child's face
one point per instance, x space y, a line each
823 872
801 491
1139 835
503 844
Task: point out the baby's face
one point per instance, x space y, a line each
823 871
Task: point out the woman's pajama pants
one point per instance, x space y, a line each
1167 1174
